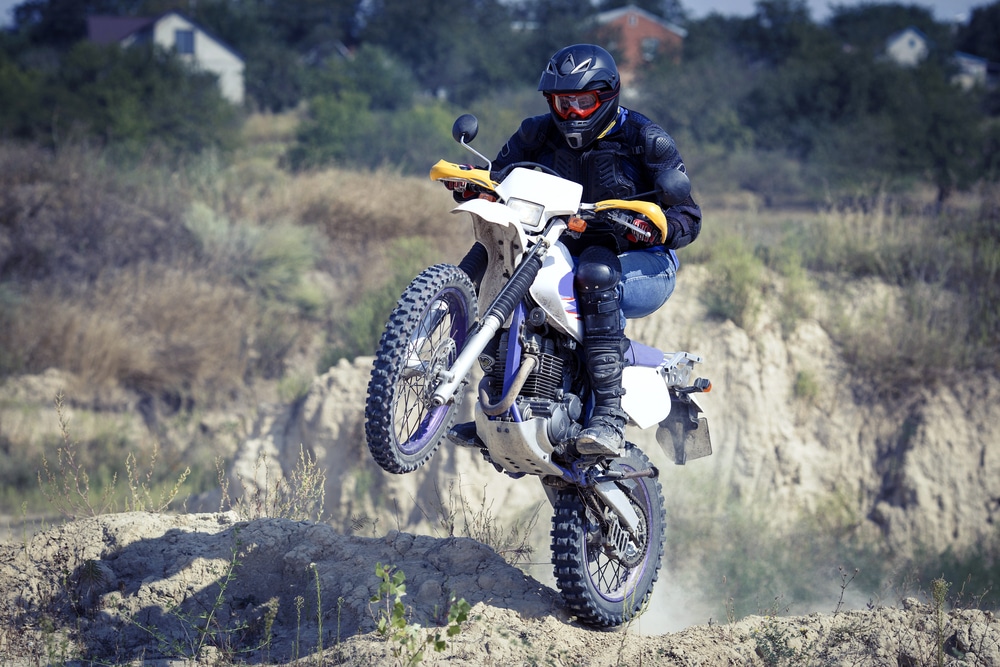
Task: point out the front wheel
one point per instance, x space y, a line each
424 335
606 575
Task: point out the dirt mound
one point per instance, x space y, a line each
212 589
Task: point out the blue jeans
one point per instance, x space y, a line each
648 278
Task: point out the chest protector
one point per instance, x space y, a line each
603 170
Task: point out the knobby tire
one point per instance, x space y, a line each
598 589
424 333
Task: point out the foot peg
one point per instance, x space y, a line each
465 435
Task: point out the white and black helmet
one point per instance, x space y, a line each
581 84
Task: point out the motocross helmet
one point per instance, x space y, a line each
581 84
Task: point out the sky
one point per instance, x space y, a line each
944 10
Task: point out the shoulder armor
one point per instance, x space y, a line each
534 131
659 147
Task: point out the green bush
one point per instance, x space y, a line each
337 128
344 129
138 102
734 290
358 330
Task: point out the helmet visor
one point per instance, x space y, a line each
583 105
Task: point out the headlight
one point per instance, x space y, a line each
529 214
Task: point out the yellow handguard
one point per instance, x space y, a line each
449 171
646 208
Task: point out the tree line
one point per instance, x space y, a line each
380 80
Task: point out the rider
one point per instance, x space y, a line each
614 153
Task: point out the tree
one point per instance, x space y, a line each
778 30
462 48
371 70
938 129
19 90
867 26
981 35
136 101
63 23
283 43
547 26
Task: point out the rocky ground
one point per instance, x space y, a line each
211 589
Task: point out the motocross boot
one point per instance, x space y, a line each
604 342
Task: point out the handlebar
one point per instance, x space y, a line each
628 214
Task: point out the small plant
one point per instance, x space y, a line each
734 291
140 486
845 581
319 610
300 497
939 591
300 602
66 482
512 543
772 643
408 640
806 387
67 485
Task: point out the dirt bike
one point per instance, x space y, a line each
534 396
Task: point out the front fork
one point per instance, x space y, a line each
450 380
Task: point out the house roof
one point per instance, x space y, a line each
113 29
970 58
905 31
615 14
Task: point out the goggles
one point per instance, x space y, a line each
582 104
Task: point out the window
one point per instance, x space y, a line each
184 41
650 47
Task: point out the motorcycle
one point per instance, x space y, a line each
608 525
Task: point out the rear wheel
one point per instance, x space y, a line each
424 334
606 575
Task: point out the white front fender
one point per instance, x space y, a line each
490 211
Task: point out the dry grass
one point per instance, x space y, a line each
197 285
909 292
151 328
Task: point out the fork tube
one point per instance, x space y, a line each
501 308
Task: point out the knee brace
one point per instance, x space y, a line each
596 281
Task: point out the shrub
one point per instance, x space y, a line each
137 101
913 336
72 215
734 289
270 261
135 328
343 129
358 330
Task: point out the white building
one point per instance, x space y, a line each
973 71
908 47
173 30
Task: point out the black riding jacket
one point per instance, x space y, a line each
625 162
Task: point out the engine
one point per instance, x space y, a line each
546 393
